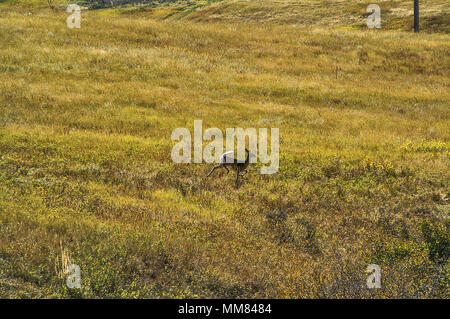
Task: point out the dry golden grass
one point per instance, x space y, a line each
395 14
85 125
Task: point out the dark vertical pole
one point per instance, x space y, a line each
416 15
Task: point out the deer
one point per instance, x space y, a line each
226 160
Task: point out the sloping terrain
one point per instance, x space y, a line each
86 176
395 14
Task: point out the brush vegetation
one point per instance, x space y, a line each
86 176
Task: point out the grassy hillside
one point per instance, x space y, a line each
395 14
86 176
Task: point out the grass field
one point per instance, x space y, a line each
86 176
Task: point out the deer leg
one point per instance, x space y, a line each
213 169
227 169
237 178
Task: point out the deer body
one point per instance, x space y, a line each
226 161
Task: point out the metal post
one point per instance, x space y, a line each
416 15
